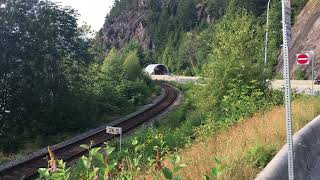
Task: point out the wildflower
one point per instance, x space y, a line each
96 177
106 158
122 166
53 163
158 165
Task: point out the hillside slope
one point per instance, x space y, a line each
132 20
151 22
178 33
306 36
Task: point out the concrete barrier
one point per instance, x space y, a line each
306 146
300 86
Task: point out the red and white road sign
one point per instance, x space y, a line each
303 59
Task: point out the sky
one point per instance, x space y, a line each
91 11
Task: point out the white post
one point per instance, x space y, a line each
120 140
115 131
286 30
267 34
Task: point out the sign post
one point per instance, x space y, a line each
304 59
115 131
266 38
286 28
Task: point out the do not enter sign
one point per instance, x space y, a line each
303 59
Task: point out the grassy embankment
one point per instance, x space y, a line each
248 145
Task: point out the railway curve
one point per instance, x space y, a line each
27 168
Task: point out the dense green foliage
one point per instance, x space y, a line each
39 43
234 75
49 83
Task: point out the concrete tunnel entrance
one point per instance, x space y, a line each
157 69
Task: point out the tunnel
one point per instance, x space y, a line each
157 69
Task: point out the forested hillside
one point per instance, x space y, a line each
178 32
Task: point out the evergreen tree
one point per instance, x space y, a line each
168 58
257 7
216 8
193 53
275 36
132 66
186 14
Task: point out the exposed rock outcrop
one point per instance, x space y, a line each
306 36
127 25
131 24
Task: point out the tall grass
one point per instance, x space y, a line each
245 147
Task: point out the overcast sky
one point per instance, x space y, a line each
91 11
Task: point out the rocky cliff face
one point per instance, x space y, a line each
306 36
131 24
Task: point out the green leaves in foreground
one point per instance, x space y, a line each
105 163
177 167
216 171
260 155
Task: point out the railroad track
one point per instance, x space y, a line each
28 168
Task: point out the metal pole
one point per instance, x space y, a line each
286 73
267 34
311 58
312 73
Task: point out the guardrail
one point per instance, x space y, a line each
178 79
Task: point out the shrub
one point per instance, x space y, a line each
260 155
241 99
132 66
